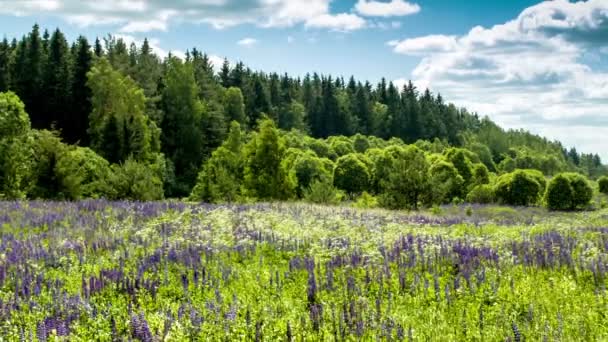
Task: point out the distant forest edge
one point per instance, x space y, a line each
108 120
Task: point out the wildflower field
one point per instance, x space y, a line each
170 271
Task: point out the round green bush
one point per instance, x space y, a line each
351 174
568 191
482 194
521 187
559 193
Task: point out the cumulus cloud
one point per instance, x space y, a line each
425 45
154 43
337 22
393 8
151 15
247 42
528 72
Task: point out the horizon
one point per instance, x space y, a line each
559 83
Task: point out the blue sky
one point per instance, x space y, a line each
542 66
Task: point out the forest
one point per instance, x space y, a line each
105 119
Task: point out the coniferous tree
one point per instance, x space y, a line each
56 84
5 59
80 94
30 75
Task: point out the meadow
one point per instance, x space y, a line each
173 271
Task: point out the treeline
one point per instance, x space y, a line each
270 164
133 112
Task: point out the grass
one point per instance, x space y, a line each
175 271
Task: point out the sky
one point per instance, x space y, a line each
541 66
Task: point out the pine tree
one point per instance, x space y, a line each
80 94
98 50
5 59
259 103
30 87
225 74
57 85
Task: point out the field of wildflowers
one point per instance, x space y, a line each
170 271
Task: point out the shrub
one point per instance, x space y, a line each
351 174
446 182
481 175
307 169
47 148
462 161
568 191
83 174
482 194
136 181
360 143
322 192
366 201
603 184
342 147
520 187
407 182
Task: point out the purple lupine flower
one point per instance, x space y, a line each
41 332
140 329
516 333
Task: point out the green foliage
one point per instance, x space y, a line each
323 192
16 153
308 169
521 187
293 116
461 159
482 194
366 201
14 121
47 148
341 146
407 181
568 191
481 175
135 181
361 143
265 178
603 185
182 136
351 174
445 182
17 177
82 173
118 126
222 174
126 103
234 106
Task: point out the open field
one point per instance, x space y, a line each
171 271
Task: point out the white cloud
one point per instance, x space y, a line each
247 42
154 45
217 62
386 9
425 45
528 72
337 22
152 15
